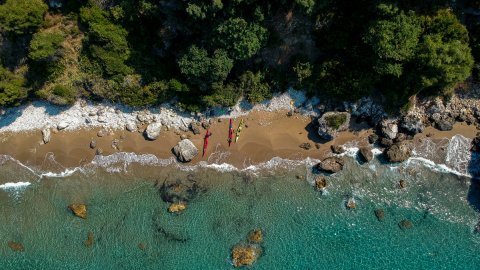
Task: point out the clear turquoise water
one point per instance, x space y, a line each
303 228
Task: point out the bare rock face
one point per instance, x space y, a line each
389 129
153 130
413 124
331 123
331 164
46 135
399 152
365 154
185 150
79 210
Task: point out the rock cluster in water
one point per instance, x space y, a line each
247 253
331 164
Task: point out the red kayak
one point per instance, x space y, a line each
205 142
230 133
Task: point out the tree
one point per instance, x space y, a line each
107 42
254 87
203 70
22 16
240 39
443 64
46 46
394 41
12 88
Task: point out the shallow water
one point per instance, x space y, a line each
303 228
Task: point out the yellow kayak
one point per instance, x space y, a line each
239 130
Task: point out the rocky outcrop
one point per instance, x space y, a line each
16 246
46 135
389 129
320 182
398 152
331 123
153 130
365 153
367 109
412 123
331 164
245 255
476 143
177 207
185 150
79 210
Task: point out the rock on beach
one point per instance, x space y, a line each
153 130
185 150
46 135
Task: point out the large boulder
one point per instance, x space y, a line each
153 130
79 210
331 164
412 123
331 123
365 153
399 152
131 126
63 125
46 135
389 129
185 150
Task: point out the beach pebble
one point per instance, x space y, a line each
305 146
93 144
62 125
153 130
100 112
102 133
102 119
130 126
99 151
46 135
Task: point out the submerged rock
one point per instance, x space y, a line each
46 135
405 224
365 153
380 214
331 123
402 184
337 149
185 150
16 246
398 152
351 204
179 191
177 207
331 164
320 182
153 130
79 210
90 240
255 236
245 255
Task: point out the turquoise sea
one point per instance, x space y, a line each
303 228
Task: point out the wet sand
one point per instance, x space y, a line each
267 135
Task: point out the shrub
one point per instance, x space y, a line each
336 120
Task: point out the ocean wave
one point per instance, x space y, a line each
15 186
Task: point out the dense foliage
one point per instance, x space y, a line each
208 53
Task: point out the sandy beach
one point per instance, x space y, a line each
266 135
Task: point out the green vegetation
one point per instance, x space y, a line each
211 53
336 120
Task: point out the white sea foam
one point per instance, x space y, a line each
15 186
